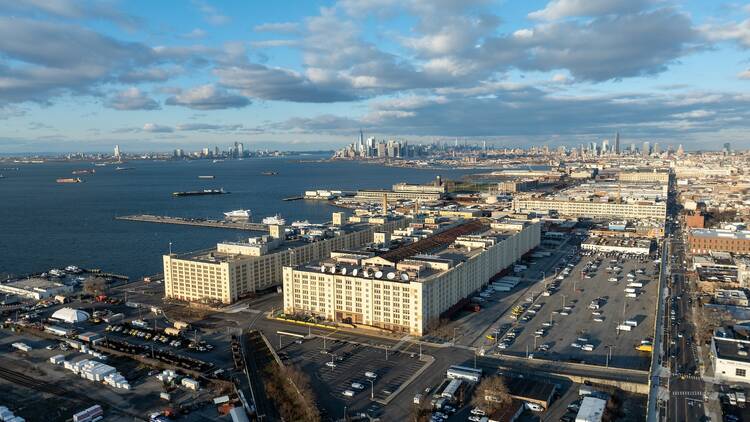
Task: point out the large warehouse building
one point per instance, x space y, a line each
237 269
408 288
656 210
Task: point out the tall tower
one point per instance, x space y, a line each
360 146
617 143
117 152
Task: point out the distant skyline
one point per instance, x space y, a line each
291 75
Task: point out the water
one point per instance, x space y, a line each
46 225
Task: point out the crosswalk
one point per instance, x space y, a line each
687 393
688 377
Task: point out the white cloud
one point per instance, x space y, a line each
132 99
558 9
208 97
156 128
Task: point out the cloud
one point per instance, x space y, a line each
278 27
259 81
40 60
528 113
738 32
132 99
72 9
558 9
208 127
274 43
211 14
745 74
155 128
208 97
195 34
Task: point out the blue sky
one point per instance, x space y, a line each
152 76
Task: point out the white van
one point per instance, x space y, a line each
358 386
371 375
348 393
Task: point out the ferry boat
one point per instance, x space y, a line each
274 220
205 177
269 173
245 214
201 192
69 180
90 171
118 168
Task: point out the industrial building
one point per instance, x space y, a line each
609 209
35 288
713 240
236 269
404 191
406 289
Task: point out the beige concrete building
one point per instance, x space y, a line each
660 176
597 209
408 288
237 269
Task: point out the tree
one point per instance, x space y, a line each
94 286
491 394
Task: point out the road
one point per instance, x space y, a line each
686 388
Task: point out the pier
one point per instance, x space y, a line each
201 222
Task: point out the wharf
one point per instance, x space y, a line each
202 222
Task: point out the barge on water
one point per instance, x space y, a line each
201 192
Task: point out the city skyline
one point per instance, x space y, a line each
310 77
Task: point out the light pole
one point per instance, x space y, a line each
372 389
386 353
170 248
563 302
609 353
420 350
454 335
332 364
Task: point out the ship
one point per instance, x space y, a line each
69 180
275 220
90 171
302 223
244 214
118 168
269 173
205 177
201 192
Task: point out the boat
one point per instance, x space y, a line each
275 220
201 192
118 168
69 180
100 164
302 223
89 171
269 173
246 214
205 177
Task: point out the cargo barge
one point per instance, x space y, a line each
69 180
201 192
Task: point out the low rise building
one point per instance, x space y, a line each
730 297
36 288
636 246
731 360
594 208
236 269
408 288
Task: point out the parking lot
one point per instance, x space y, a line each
333 370
565 326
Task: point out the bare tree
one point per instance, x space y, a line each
95 286
492 394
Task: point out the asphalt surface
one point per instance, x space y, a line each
686 388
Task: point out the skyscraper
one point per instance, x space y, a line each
656 150
117 152
727 148
617 143
646 149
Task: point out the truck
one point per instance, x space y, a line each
172 331
630 290
635 284
631 322
645 348
624 327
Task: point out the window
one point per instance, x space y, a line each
739 372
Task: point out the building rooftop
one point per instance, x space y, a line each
721 233
732 349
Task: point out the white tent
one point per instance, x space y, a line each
70 315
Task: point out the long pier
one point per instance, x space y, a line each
202 222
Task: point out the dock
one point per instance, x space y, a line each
201 222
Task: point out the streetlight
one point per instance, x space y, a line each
372 389
563 301
609 353
454 335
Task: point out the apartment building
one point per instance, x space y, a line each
408 288
731 360
236 269
701 241
644 176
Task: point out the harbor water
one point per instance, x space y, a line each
44 224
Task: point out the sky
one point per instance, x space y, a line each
307 75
